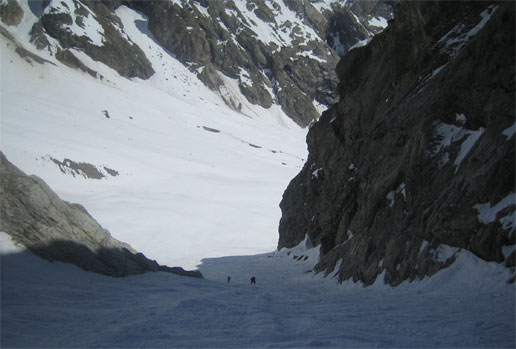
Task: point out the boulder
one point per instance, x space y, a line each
11 13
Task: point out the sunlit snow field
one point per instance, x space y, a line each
184 191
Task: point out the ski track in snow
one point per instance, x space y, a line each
58 305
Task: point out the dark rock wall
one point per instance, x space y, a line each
10 12
399 165
350 23
59 231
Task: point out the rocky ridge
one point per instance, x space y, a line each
417 159
33 215
277 52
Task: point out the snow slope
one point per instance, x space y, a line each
195 179
59 305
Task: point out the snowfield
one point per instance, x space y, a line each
59 305
190 177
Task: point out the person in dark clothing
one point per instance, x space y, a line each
253 280
229 278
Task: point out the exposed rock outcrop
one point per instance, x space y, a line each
417 159
215 37
10 12
59 231
356 22
278 50
90 27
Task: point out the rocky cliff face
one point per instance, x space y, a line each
277 52
91 28
417 159
59 231
354 23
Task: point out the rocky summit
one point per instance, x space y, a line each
53 229
417 159
276 52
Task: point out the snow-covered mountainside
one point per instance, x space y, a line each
122 106
132 122
60 306
270 53
162 163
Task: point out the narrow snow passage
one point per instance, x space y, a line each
58 305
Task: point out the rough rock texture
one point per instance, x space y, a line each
354 22
295 72
68 58
418 149
92 28
20 50
10 12
59 231
226 42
